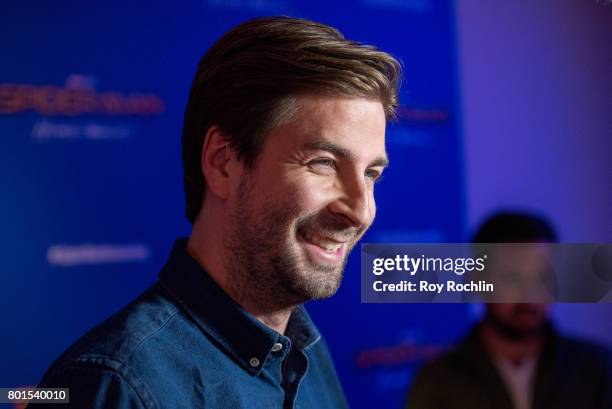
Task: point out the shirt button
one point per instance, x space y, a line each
254 362
277 347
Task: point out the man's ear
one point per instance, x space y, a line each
218 162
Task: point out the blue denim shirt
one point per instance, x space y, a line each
184 343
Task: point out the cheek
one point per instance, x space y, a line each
307 191
372 205
311 196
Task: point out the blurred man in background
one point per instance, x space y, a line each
515 358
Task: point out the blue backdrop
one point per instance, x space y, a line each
91 104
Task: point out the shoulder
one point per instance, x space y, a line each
435 384
583 346
113 354
451 373
448 365
584 354
115 340
98 387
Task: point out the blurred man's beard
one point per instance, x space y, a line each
511 329
265 263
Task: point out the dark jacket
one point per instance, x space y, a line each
570 374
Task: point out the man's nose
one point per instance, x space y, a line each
355 202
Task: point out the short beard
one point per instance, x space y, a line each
513 332
264 269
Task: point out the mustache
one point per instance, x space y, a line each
525 309
333 227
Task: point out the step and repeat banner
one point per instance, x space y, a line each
91 105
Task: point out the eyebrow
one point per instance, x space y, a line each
325 145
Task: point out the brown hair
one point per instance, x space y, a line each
247 81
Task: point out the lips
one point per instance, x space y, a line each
323 242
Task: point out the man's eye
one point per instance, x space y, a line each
322 164
373 174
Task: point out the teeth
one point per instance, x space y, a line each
321 242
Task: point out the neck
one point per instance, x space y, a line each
510 349
205 245
276 320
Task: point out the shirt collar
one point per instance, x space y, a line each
241 334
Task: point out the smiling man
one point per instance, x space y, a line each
283 141
287 224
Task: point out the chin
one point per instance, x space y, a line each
317 283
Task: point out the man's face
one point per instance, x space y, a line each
308 199
521 273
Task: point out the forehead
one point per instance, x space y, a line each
524 254
356 124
